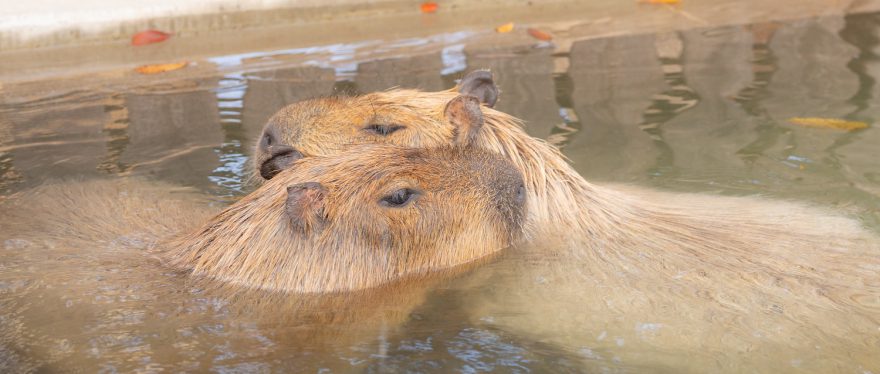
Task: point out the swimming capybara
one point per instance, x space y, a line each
359 219
558 197
77 269
606 220
412 118
747 257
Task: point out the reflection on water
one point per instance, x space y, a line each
231 173
751 96
667 105
116 130
8 174
696 110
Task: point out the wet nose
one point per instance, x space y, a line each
269 139
280 157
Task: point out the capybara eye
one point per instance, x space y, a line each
398 198
383 130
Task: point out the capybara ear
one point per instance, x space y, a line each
479 83
305 206
465 114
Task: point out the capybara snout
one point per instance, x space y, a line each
280 157
273 155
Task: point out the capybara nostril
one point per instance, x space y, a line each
280 158
268 140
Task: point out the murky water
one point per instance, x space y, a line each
700 110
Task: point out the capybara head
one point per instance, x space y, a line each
411 118
364 217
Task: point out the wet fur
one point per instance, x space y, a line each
560 200
351 243
87 241
629 228
729 280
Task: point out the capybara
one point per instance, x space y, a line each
753 259
559 199
558 195
359 219
84 259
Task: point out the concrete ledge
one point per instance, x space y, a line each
49 23
48 39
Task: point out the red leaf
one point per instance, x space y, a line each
540 35
149 37
429 7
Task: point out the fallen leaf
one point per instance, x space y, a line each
149 37
660 1
429 7
540 35
828 123
160 68
507 27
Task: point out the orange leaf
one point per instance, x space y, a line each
828 123
429 7
160 68
149 37
540 35
507 27
670 2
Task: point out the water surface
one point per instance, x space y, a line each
702 110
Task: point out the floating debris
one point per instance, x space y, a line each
540 35
149 37
429 7
160 68
828 123
507 27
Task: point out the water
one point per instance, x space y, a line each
700 110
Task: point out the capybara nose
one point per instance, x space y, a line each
269 139
281 156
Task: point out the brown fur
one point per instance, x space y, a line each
743 282
342 238
466 209
86 243
326 126
607 222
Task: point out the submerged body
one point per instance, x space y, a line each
84 289
801 270
363 218
385 229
